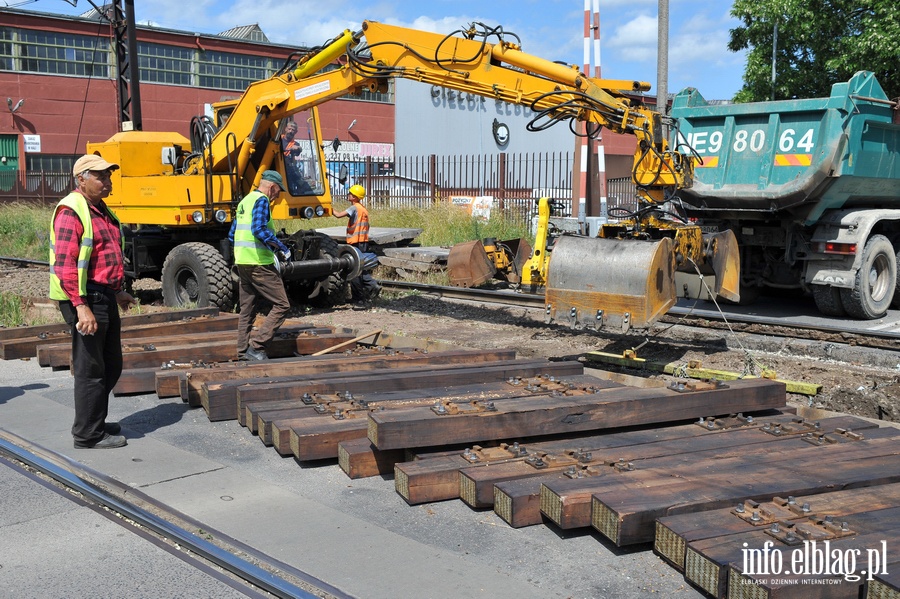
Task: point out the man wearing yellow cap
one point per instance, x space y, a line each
87 274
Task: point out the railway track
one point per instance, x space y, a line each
686 315
254 574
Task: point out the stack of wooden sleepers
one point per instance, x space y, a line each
730 486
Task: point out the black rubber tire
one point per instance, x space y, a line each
195 274
876 281
828 300
895 303
332 290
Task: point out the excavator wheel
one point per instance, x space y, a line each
196 274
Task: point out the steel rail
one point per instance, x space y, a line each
241 568
25 261
537 302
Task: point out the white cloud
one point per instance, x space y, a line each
636 39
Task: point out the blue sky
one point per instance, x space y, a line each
552 29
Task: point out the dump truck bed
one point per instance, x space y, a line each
804 156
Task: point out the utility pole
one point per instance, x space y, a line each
127 62
774 56
662 60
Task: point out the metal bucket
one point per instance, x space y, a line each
610 284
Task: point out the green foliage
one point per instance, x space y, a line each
442 224
820 43
12 312
25 231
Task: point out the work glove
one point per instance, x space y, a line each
284 255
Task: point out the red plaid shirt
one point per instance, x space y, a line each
106 267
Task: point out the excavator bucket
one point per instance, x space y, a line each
468 265
723 257
610 284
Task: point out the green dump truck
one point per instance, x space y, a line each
811 189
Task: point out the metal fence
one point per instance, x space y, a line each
34 186
511 182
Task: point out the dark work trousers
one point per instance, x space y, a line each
363 287
96 364
260 282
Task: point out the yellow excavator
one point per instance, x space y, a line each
178 195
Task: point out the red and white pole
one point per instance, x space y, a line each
589 154
601 156
582 148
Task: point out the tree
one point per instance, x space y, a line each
820 42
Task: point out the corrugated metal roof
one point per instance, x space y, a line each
246 32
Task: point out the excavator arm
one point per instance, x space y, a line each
468 63
622 280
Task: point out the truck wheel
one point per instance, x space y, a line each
196 274
895 303
876 281
828 300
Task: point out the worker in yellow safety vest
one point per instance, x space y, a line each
255 244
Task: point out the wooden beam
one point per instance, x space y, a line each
128 320
672 534
398 378
568 504
315 438
626 515
358 458
609 408
227 379
57 355
258 415
707 561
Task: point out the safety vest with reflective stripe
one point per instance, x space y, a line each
79 204
358 227
247 248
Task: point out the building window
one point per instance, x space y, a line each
225 70
58 53
6 49
165 64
